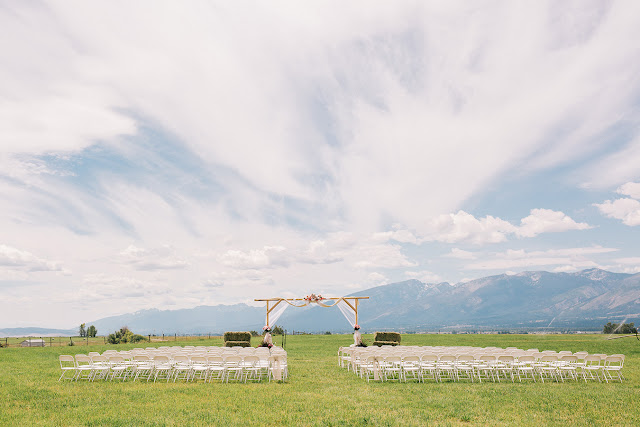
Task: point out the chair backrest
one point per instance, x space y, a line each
65 360
465 358
592 360
215 360
251 359
505 359
161 359
232 359
198 359
116 360
429 357
526 359
99 359
412 358
570 358
549 358
93 353
141 357
614 360
82 359
182 358
488 358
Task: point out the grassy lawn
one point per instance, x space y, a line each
319 392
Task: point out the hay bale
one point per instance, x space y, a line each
237 344
237 336
387 337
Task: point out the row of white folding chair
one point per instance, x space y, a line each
249 367
496 366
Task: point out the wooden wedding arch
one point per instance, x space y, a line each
351 302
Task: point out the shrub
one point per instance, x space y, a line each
277 330
124 335
387 337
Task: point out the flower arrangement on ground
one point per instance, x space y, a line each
266 341
357 338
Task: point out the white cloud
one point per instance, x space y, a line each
424 276
631 189
267 257
12 258
376 279
460 254
627 210
380 256
629 260
548 221
463 226
565 269
162 258
567 259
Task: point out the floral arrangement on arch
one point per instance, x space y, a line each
313 298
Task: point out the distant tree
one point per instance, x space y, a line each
616 328
81 331
277 330
254 333
327 333
92 331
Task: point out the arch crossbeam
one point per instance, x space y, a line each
351 302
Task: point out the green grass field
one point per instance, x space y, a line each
319 393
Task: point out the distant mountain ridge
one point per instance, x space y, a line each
526 301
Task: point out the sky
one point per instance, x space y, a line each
162 154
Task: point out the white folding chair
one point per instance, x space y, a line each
233 366
117 367
591 368
100 367
524 368
84 369
67 364
411 367
612 369
215 365
162 368
199 367
464 366
181 367
547 367
392 368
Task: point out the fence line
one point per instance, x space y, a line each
13 342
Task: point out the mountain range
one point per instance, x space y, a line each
537 300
